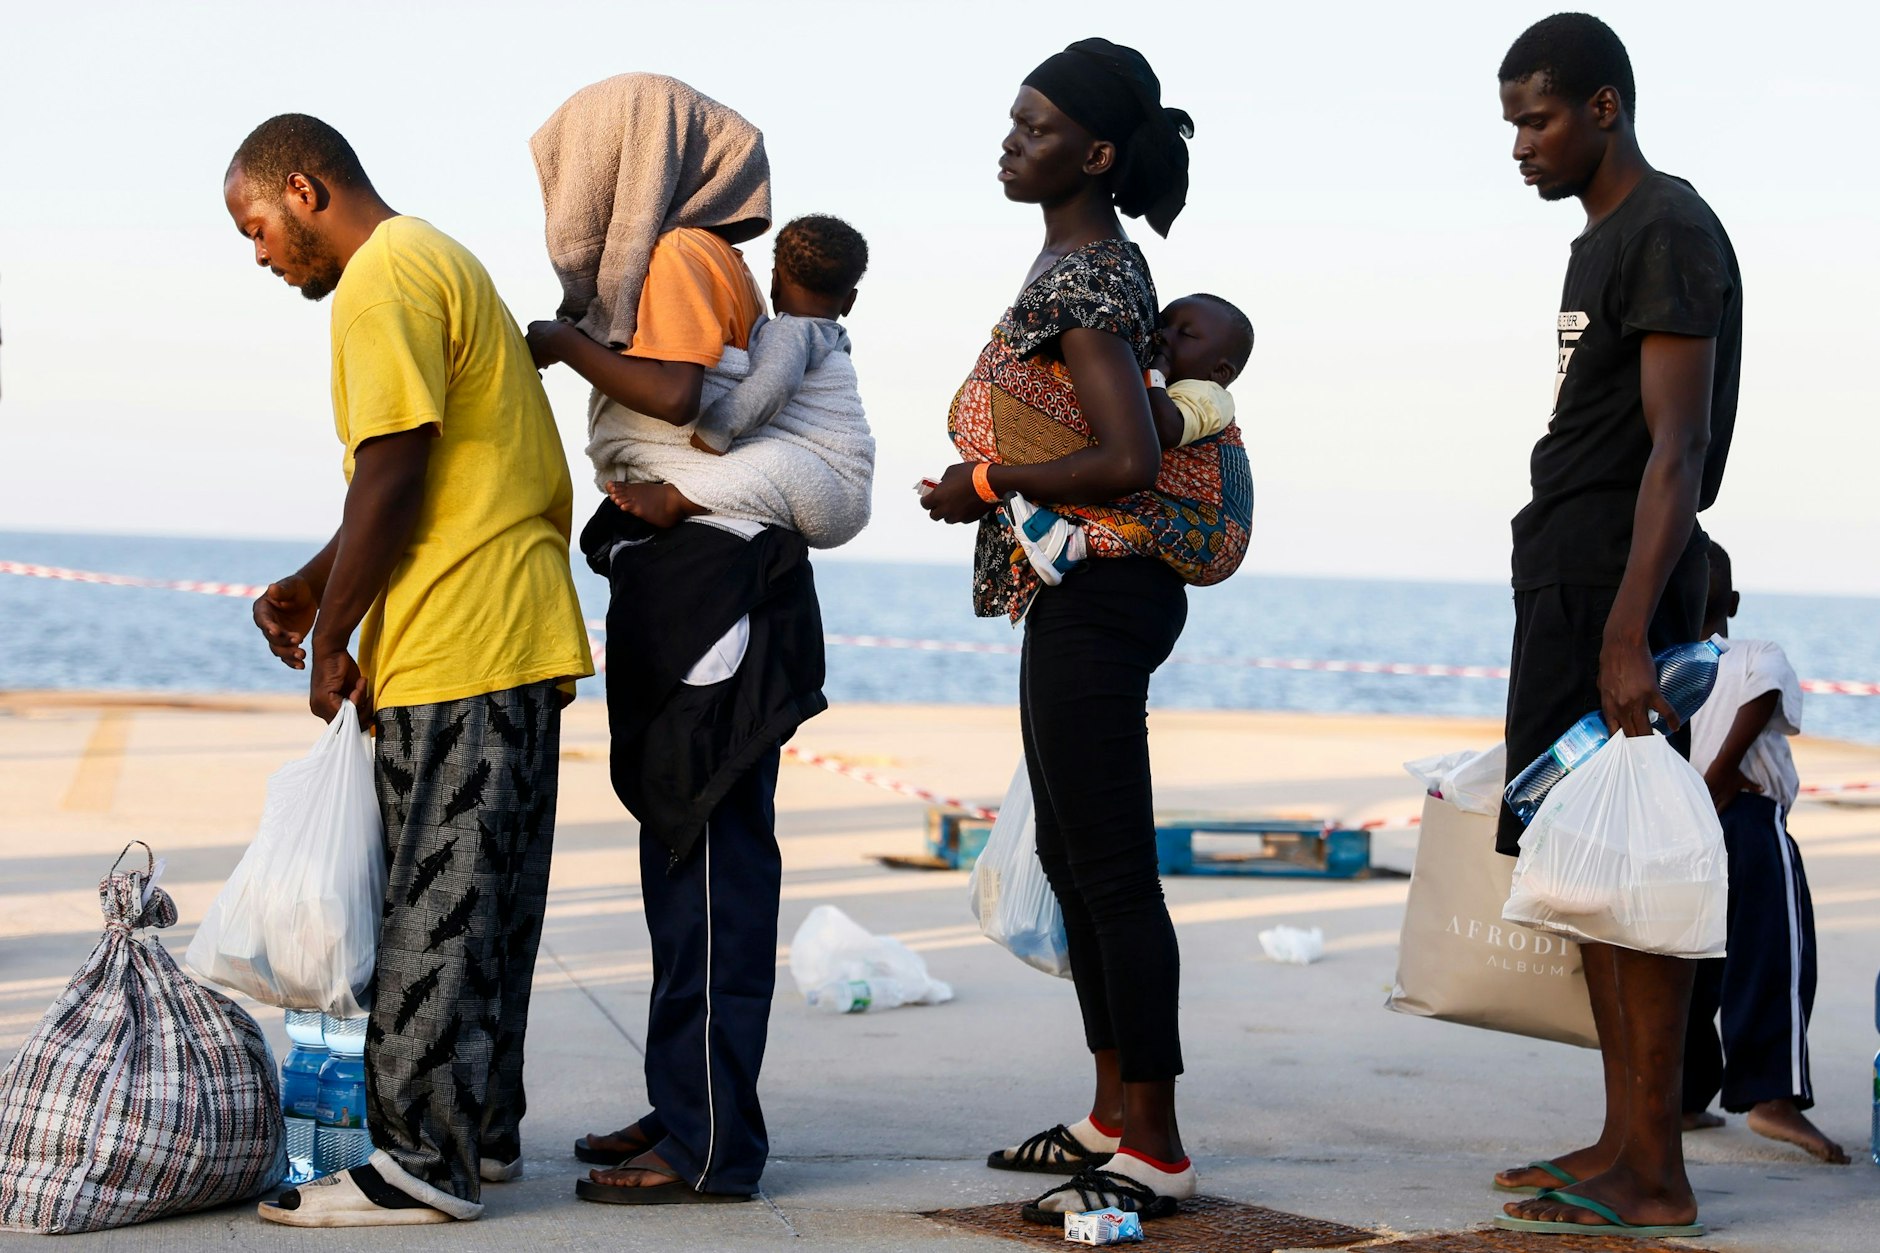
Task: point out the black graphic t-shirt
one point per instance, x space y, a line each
1660 262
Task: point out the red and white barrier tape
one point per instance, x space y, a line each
887 784
1839 789
248 591
243 591
1820 687
1192 659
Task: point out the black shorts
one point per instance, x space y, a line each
1553 675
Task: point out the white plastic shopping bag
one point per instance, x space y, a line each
1009 893
1471 781
1627 850
832 951
297 924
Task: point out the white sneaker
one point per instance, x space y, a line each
1053 545
336 1201
492 1171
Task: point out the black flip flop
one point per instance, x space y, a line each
678 1192
1035 1155
1102 1189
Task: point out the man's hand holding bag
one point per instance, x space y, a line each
1627 850
297 923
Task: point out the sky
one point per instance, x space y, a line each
1352 189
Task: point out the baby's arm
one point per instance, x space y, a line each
780 353
1202 407
1168 418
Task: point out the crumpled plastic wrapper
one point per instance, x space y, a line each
1103 1226
1293 946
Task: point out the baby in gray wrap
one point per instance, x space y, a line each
782 438
818 262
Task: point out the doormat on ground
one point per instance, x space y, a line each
1210 1224
1206 1224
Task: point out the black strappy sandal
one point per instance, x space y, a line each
1053 1152
1103 1189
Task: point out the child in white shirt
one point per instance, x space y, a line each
1765 984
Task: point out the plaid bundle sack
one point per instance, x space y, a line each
140 1093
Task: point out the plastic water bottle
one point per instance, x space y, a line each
1686 673
300 1091
341 1140
857 996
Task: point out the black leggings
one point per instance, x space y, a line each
1091 644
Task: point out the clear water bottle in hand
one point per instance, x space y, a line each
857 996
300 1091
1686 673
341 1140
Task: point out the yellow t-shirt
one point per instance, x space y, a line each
699 296
483 599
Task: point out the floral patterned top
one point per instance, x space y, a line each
1103 286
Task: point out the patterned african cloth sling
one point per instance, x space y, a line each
1022 410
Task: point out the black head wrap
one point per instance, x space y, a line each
1110 91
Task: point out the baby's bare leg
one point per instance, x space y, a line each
657 504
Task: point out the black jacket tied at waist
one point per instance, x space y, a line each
678 748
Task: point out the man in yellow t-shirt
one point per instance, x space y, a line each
452 562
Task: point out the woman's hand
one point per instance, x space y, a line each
545 339
954 498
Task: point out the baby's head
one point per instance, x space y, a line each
1205 337
818 262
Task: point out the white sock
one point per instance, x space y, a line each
1085 1133
1180 1184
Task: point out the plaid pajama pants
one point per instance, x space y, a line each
467 789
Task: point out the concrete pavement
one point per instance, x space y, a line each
1302 1094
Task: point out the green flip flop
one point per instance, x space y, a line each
1552 1168
1614 1224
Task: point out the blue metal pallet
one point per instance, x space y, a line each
1260 846
1198 845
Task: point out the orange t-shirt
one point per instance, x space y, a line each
699 297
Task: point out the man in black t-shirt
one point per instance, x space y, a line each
1609 562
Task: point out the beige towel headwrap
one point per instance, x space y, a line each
623 162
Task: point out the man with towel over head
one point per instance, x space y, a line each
713 625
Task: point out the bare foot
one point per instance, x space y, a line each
1780 1120
622 1144
1702 1120
657 504
702 446
648 1170
1624 1193
1581 1164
